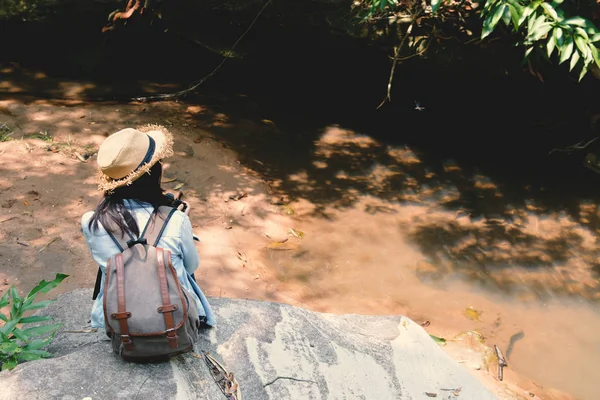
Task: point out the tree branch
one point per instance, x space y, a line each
195 85
388 97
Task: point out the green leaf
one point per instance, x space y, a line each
539 21
20 335
438 340
550 10
492 20
595 55
583 47
45 287
557 3
15 295
33 319
9 326
527 11
528 52
557 36
40 330
584 70
576 21
540 31
488 6
382 4
566 49
32 355
38 343
550 45
9 347
3 318
4 300
35 306
10 363
595 38
435 4
514 14
582 33
574 60
497 15
506 15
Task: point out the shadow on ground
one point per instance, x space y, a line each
470 174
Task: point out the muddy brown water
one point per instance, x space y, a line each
403 211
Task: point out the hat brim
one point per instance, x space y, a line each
164 148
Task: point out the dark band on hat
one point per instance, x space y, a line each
149 153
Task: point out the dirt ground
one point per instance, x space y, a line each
259 240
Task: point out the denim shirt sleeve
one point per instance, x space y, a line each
187 246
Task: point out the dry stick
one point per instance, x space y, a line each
48 244
289 378
501 363
214 71
396 54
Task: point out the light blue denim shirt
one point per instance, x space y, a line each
177 238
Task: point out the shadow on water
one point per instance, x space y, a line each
300 108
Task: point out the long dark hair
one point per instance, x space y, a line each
111 210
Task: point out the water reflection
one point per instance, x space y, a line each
405 236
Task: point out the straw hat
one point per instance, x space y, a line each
128 154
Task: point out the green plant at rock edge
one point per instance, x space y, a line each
25 344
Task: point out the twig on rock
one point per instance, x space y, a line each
501 363
289 378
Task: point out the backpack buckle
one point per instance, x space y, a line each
133 242
126 341
172 337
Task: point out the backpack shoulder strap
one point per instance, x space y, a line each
114 239
153 234
121 243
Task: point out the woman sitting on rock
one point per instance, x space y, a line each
130 172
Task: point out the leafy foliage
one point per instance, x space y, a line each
25 344
549 30
26 10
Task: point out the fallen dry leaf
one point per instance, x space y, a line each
295 233
80 157
472 314
166 179
287 210
178 186
267 122
237 197
283 246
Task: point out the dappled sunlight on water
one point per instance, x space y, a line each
399 238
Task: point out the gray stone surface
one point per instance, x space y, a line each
275 351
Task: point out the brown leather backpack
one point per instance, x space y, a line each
148 314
